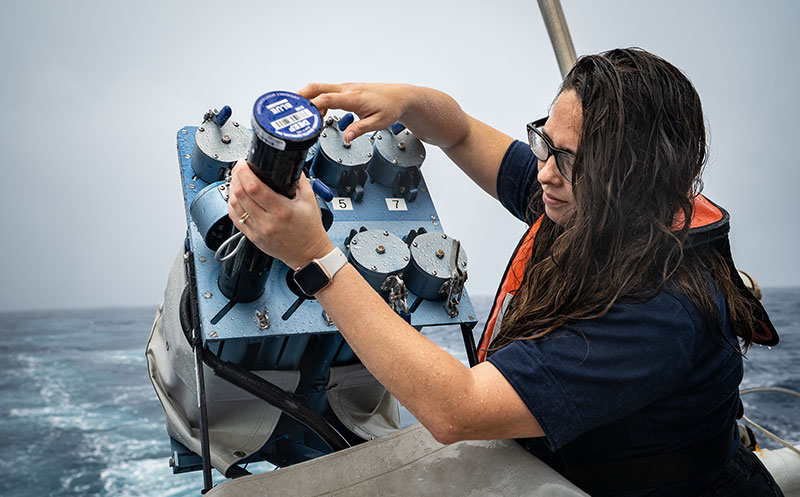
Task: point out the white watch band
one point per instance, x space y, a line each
333 262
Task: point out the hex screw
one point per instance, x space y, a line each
440 254
187 156
401 145
201 129
339 160
191 187
405 257
216 156
207 295
435 272
385 233
381 249
202 259
324 135
415 244
346 144
369 154
394 161
433 217
183 131
354 242
436 223
444 236
226 139
464 263
374 268
235 124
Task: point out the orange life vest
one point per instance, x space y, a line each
710 223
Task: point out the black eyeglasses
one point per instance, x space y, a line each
543 149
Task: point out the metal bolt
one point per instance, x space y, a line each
385 233
213 334
354 242
394 161
369 154
216 156
226 139
183 131
436 223
444 236
408 132
202 259
435 272
187 156
339 160
201 129
324 135
171 462
415 244
235 124
440 254
239 453
421 156
378 136
346 144
311 153
405 257
381 249
374 268
433 217
329 121
401 145
464 263
191 187
207 295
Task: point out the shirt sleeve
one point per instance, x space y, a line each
517 183
593 372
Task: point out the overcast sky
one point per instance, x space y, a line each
93 94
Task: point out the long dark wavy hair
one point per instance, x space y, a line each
641 152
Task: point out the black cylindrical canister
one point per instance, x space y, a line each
285 126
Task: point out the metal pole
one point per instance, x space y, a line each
557 29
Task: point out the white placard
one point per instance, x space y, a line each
342 204
396 204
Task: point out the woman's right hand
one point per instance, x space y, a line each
377 106
434 117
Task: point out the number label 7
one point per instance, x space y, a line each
396 204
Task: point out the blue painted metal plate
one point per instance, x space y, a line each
377 211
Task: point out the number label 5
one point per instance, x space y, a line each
342 204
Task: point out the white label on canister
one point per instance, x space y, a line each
342 204
291 119
396 204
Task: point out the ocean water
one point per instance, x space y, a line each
78 416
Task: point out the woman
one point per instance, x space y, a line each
619 346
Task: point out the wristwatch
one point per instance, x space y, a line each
318 273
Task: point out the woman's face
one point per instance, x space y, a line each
563 128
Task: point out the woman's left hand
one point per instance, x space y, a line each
289 229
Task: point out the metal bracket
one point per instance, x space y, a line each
454 287
398 293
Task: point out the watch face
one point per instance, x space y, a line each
311 278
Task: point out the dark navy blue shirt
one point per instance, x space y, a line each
646 378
